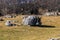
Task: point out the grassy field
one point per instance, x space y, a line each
21 32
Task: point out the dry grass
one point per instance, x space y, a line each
31 33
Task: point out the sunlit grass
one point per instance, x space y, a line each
30 33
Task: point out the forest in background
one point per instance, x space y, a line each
25 6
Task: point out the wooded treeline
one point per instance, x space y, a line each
25 6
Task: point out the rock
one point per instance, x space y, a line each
54 39
8 23
31 20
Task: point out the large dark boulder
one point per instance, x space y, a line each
35 21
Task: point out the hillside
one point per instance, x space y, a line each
21 32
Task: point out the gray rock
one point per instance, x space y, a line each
8 23
31 20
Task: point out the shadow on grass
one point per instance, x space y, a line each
44 26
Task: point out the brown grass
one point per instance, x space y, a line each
31 33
